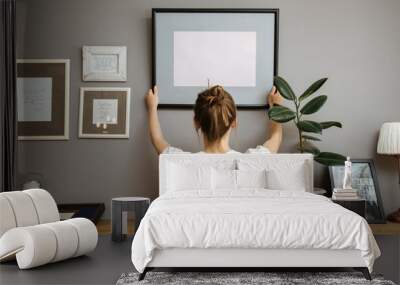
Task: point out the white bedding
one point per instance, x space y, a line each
251 218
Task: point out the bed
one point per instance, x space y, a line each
247 211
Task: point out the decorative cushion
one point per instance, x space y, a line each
224 179
181 177
251 179
237 179
289 174
292 179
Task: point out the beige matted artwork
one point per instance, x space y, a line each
104 112
43 99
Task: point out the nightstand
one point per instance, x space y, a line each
119 216
357 206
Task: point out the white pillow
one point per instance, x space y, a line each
224 179
291 179
251 178
183 177
236 179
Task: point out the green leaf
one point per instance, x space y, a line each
328 124
330 158
309 126
281 114
313 88
284 88
311 149
314 105
311 138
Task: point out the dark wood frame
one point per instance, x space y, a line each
120 130
192 10
48 130
376 185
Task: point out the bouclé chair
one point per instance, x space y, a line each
31 230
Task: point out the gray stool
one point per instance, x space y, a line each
119 218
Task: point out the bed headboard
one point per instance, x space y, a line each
280 162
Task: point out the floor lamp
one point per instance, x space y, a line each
389 144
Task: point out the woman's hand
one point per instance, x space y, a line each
152 99
275 133
274 98
156 135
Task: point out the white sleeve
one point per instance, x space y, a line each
259 149
173 150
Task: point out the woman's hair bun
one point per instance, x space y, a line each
216 95
214 112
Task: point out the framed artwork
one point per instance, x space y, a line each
364 179
43 99
104 63
104 112
197 48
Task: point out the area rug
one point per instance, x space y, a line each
269 278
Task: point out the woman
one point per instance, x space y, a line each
215 117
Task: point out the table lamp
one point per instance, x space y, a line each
389 144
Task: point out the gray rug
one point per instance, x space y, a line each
269 278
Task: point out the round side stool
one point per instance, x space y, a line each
119 218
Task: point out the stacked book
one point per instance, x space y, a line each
345 194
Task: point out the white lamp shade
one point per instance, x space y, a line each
389 139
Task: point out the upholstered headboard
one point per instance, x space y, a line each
282 163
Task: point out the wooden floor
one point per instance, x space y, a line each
388 229
104 228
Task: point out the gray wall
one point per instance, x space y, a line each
355 43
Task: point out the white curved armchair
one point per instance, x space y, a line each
31 230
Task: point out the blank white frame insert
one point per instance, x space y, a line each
215 57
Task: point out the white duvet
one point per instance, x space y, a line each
252 218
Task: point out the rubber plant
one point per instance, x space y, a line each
308 130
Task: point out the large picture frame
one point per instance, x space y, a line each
104 112
241 43
104 63
365 180
43 87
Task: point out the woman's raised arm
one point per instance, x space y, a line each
275 138
156 135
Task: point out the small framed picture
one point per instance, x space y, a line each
104 63
43 99
363 179
104 112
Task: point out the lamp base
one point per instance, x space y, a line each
394 217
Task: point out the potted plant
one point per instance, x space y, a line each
308 130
